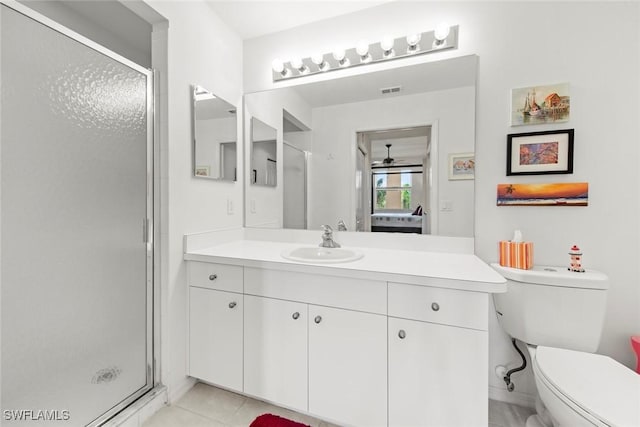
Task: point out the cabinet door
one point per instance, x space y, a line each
275 351
348 366
215 337
437 375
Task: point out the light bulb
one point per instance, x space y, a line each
340 56
387 47
317 58
362 48
413 39
277 65
412 42
296 63
387 43
299 65
441 32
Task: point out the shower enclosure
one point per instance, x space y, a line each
76 254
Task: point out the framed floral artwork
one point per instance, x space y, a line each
540 153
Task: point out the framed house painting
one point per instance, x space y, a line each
540 104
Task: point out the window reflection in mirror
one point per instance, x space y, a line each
263 154
215 136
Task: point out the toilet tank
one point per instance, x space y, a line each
553 307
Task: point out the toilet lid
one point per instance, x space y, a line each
598 384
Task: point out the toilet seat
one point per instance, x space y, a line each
593 385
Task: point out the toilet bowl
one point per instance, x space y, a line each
584 389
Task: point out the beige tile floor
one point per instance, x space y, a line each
206 406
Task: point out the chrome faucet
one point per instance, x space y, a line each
342 226
327 238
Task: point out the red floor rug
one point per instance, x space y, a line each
270 420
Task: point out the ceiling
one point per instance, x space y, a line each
251 19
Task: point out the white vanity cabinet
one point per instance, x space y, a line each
348 366
215 324
342 322
326 361
275 351
358 352
438 357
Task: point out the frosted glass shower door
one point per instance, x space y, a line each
75 199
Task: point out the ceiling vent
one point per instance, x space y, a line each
390 90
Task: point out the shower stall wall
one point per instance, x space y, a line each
76 210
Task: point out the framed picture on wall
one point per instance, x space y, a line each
534 105
540 153
462 166
202 171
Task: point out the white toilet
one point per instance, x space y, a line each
559 315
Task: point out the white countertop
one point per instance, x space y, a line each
440 269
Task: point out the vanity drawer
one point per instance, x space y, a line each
437 305
215 276
333 291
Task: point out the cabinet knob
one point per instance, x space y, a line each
213 277
435 306
402 334
295 315
232 304
318 319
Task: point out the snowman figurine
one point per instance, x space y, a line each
576 257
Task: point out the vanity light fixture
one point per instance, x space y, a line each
444 37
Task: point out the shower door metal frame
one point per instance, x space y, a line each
147 223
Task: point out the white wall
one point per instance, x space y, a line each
201 50
520 44
332 196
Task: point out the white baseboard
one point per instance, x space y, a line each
514 397
180 389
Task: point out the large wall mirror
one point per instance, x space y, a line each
375 151
215 138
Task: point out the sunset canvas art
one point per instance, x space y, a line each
558 194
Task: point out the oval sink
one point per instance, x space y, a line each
321 255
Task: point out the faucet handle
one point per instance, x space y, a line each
326 228
342 226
